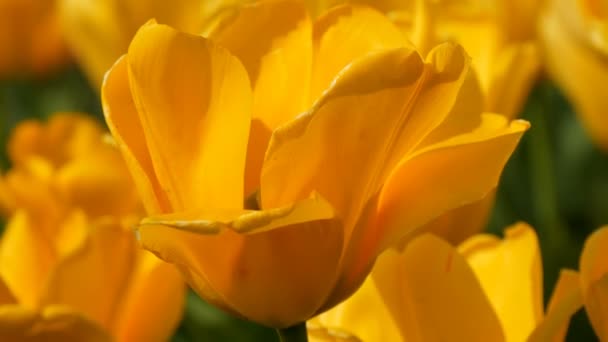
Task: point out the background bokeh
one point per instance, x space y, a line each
557 181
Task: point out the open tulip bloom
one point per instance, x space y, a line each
278 157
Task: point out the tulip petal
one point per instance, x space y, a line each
594 280
278 58
92 278
596 304
566 300
364 315
438 299
6 296
64 137
53 324
153 305
30 186
457 225
194 104
344 34
510 272
584 66
420 189
25 141
94 34
26 258
98 183
293 268
123 121
321 334
513 74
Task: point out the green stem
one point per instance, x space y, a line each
553 233
296 333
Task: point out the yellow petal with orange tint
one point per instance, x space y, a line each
566 300
318 333
345 34
594 280
52 324
571 62
428 286
513 73
510 273
123 120
26 258
153 304
457 225
420 189
93 277
364 315
184 88
98 183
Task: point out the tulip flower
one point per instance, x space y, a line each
367 142
590 289
99 31
574 41
31 41
427 290
69 267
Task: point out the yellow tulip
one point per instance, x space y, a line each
30 38
69 270
591 289
575 44
367 142
484 290
99 31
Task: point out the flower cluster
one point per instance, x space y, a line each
320 164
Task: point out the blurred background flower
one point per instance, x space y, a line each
70 265
31 40
575 46
99 31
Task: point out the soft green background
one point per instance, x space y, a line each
557 181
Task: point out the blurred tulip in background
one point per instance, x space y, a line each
70 268
31 40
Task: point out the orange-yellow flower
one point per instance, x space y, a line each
30 38
69 269
100 31
575 45
589 288
484 290
278 160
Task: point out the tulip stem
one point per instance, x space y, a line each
296 333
